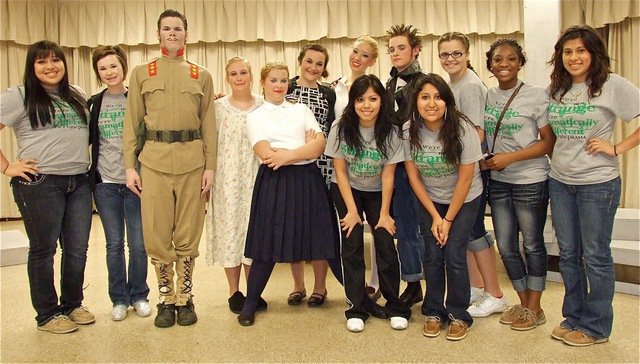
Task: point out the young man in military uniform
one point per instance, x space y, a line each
170 116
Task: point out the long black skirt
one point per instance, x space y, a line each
292 217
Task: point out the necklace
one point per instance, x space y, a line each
581 90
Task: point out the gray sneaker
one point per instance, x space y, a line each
59 324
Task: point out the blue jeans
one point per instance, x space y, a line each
448 265
583 218
55 207
117 205
405 214
480 239
521 207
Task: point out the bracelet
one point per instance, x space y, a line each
615 151
445 219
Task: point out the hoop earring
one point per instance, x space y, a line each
445 114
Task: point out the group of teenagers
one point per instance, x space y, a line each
293 175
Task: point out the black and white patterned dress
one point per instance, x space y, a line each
321 101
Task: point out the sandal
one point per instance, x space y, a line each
317 299
295 298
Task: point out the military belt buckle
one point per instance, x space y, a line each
174 136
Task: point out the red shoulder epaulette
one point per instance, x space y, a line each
195 71
153 69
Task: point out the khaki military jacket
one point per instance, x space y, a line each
171 94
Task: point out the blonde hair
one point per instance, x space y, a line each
371 42
272 65
237 59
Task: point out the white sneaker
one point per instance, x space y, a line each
119 312
488 306
477 295
142 307
355 325
399 323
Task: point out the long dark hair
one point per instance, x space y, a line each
450 133
600 62
38 102
348 127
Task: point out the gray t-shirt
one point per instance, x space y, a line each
579 118
439 177
61 147
110 122
365 170
520 128
470 95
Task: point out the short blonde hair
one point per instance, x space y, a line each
272 65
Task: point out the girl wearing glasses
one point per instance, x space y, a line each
471 95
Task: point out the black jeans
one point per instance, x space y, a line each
53 208
353 257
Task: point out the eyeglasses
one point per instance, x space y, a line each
454 54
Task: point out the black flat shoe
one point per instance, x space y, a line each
295 298
262 305
246 320
317 299
412 294
236 302
377 311
374 294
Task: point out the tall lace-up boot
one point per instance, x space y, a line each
184 298
166 316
